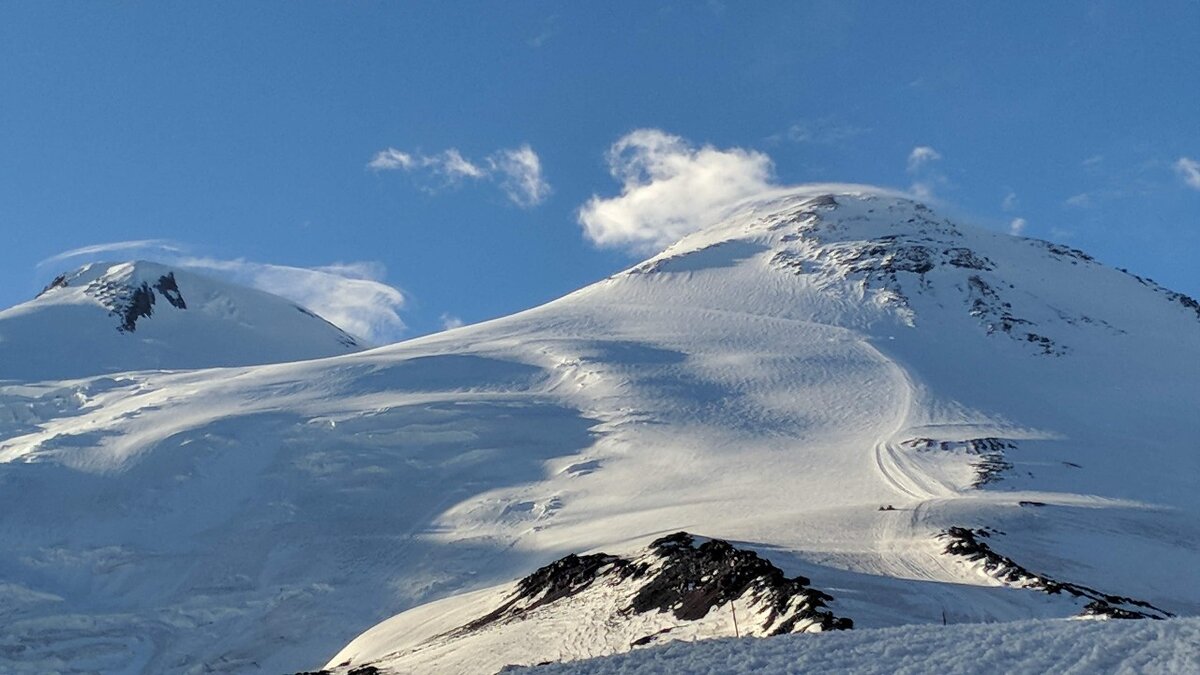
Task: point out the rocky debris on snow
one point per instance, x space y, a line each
130 303
1072 255
966 543
126 300
996 316
1186 301
565 577
682 576
59 281
887 264
679 587
989 461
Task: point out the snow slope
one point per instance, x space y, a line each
1047 646
115 317
772 381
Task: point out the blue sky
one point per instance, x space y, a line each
242 135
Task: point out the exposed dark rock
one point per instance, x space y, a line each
990 462
166 286
968 259
824 201
678 576
59 281
964 542
1060 251
789 260
997 317
562 578
1186 301
137 304
647 639
694 579
887 258
343 337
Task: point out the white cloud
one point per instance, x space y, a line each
1017 226
1189 170
450 321
925 177
1010 201
669 189
920 156
352 296
391 159
448 163
517 170
520 172
95 250
452 164
1081 200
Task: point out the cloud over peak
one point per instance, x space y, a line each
669 188
351 295
518 171
920 156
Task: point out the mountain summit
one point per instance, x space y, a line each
116 317
836 409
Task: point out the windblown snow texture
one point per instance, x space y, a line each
1147 648
776 381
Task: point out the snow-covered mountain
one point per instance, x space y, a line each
891 419
116 317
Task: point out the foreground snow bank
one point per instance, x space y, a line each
1054 646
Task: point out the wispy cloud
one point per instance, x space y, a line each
669 188
1082 200
1010 201
450 321
1188 169
96 251
352 295
1017 226
518 171
549 30
448 163
925 177
920 156
821 131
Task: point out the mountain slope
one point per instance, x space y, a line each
772 381
1128 648
116 317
